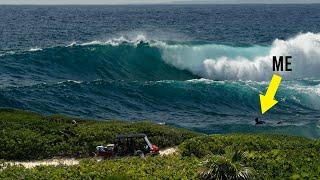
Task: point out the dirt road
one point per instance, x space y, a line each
72 161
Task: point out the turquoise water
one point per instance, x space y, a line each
198 67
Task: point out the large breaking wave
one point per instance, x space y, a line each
143 59
173 82
247 63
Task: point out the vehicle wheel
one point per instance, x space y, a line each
93 154
140 154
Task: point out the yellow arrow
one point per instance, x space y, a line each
267 101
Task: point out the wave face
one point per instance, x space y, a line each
89 62
202 86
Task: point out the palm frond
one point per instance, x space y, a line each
226 167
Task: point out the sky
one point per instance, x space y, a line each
153 1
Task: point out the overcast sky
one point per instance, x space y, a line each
151 1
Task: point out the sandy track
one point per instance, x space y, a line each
72 161
48 162
168 151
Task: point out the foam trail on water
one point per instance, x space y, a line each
35 49
247 63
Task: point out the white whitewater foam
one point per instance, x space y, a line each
118 41
306 89
247 63
203 80
35 49
8 53
72 44
71 81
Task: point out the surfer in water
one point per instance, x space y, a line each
259 122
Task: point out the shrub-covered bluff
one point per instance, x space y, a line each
29 136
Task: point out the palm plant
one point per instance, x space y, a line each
226 167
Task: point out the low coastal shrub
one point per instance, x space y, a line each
28 136
169 167
225 167
272 156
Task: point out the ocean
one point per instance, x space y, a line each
200 67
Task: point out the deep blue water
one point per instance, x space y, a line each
201 67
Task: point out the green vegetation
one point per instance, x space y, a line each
225 167
272 156
171 167
28 136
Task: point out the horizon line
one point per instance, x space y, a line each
114 4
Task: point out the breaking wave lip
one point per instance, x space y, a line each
11 52
115 41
